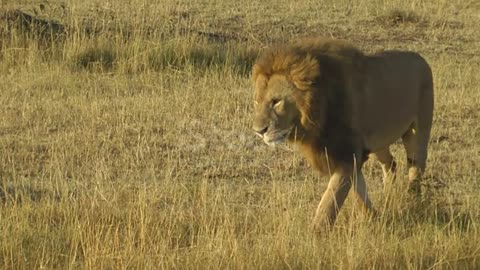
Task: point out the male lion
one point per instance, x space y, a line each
341 106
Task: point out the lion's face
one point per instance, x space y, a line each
284 91
276 113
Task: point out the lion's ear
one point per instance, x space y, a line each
259 78
305 72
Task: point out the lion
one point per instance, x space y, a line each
341 107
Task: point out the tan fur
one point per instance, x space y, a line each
341 107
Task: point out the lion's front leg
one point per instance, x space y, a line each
333 199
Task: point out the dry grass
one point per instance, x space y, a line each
125 139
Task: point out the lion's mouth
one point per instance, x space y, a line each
275 138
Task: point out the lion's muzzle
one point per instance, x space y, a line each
272 137
260 131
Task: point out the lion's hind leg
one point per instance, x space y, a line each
417 136
415 141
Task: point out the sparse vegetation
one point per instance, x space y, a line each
125 139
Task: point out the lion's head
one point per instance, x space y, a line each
285 80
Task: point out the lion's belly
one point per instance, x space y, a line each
385 122
378 139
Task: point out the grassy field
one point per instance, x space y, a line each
125 139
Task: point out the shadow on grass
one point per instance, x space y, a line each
29 25
19 194
106 51
209 55
95 59
169 55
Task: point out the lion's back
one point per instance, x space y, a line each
397 73
398 63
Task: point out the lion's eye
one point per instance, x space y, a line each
275 102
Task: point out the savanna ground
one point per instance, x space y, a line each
125 139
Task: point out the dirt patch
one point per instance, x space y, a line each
399 17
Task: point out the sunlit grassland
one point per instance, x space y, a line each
125 139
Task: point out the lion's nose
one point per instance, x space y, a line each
260 131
